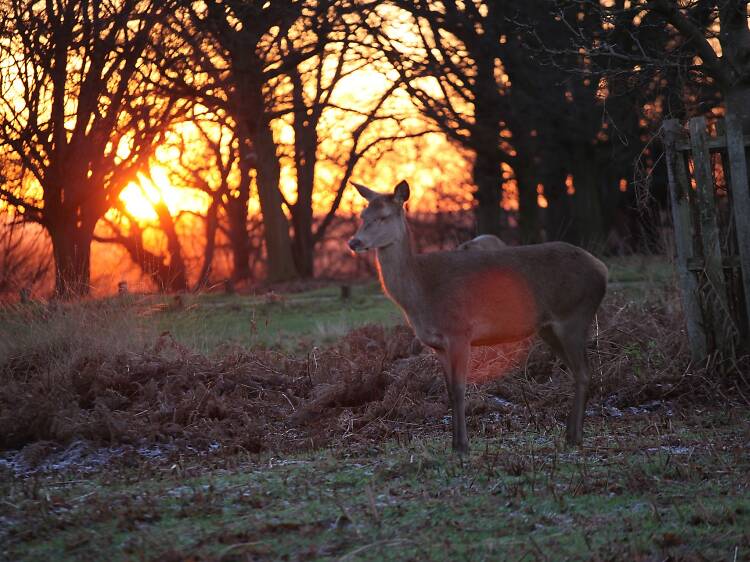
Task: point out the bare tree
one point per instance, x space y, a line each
314 85
575 136
211 163
471 71
235 43
285 61
705 43
166 270
81 115
451 73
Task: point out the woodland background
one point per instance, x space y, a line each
182 145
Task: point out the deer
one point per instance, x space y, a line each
482 242
456 300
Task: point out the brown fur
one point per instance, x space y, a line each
454 300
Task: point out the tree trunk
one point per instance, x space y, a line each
255 131
557 222
528 209
588 220
71 248
487 178
276 227
175 275
212 224
236 208
238 239
485 138
734 37
303 245
305 125
737 100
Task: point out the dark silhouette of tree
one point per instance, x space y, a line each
167 271
211 163
451 73
285 60
697 46
572 134
236 51
81 115
313 86
472 71
25 260
213 171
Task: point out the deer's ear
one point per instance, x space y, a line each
365 192
401 192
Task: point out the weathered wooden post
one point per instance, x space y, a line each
709 229
740 200
717 305
679 184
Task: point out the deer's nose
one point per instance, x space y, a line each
356 244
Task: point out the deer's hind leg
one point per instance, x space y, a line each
568 341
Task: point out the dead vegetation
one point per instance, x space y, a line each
88 375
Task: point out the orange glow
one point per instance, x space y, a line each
141 197
511 293
570 187
541 200
623 185
509 201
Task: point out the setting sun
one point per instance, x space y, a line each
141 197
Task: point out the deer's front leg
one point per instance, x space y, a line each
455 360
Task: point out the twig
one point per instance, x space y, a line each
373 506
232 547
372 545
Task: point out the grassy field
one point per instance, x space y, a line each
651 487
290 321
303 427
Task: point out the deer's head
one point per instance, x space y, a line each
382 220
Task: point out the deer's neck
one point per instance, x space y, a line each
397 266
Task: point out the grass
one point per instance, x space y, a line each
204 323
518 496
643 269
216 382
293 321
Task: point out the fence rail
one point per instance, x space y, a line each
710 201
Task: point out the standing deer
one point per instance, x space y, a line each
456 300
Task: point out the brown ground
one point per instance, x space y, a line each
372 385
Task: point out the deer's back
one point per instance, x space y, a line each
509 293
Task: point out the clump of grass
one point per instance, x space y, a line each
43 348
54 335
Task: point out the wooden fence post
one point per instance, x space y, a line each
718 303
740 199
678 194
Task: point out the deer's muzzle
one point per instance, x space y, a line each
357 245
